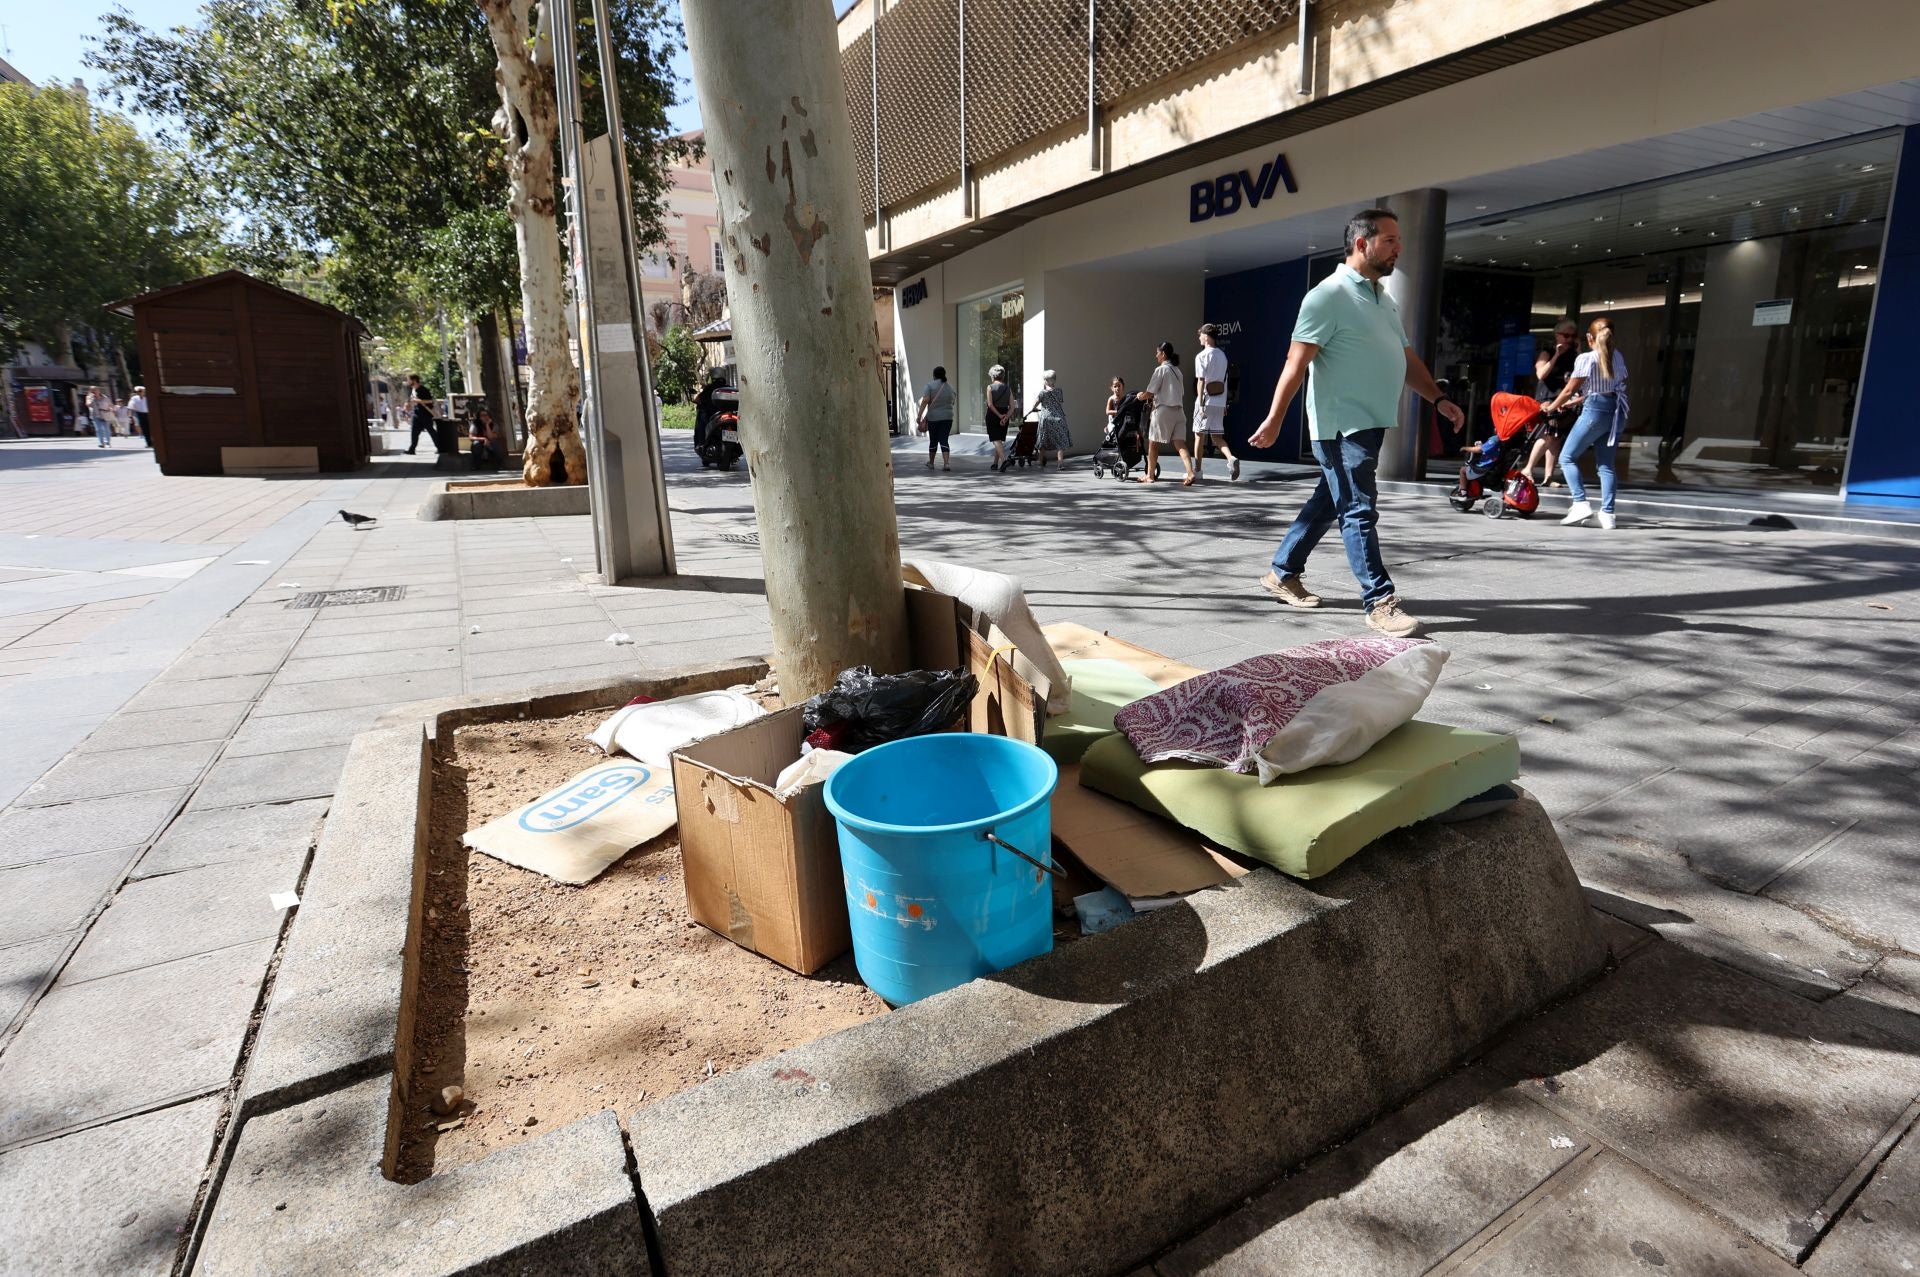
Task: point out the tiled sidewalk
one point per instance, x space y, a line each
1723 722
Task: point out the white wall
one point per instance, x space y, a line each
1105 323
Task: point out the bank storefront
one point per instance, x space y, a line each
1761 270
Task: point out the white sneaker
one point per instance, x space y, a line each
1579 512
1606 520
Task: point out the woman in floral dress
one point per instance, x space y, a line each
1052 408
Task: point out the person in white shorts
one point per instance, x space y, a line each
1210 404
1167 425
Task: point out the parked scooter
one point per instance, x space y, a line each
716 427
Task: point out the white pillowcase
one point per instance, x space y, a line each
651 732
1346 720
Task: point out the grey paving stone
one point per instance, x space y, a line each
278 733
165 727
280 641
1754 934
250 779
25 969
180 914
56 895
565 611
1608 1216
384 623
262 621
1756 1103
122 771
227 834
370 664
1880 1230
193 667
109 1200
165 693
129 1042
552 659
305 1197
1401 1197
1868 878
527 639
1895 983
344 693
315 645
71 829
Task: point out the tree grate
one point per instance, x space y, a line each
347 598
741 538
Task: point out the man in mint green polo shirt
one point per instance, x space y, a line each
1349 334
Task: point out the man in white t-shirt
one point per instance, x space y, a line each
138 407
1210 403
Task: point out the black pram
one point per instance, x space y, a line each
1120 447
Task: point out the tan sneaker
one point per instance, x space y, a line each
1289 590
1385 617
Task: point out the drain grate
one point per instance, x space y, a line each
346 598
741 538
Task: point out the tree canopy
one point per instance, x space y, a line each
90 212
361 131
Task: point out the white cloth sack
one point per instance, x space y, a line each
811 768
652 732
1001 600
1346 720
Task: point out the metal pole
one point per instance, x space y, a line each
1093 110
566 88
662 531
1305 41
1415 285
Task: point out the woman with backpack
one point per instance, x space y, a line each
999 414
936 417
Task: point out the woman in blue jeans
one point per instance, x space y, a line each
1601 374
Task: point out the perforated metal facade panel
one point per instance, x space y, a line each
856 70
919 97
1138 43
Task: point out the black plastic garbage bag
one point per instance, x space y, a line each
863 709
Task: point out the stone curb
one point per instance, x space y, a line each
305 1195
504 503
1075 1113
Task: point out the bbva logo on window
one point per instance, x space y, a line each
1223 195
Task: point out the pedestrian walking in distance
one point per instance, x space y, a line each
999 414
936 417
422 403
1350 336
1601 374
100 413
1165 425
1210 404
138 407
1052 407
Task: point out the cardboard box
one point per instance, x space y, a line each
764 871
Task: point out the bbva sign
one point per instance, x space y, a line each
1223 195
913 294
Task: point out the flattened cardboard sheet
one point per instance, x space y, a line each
1134 852
573 832
1071 640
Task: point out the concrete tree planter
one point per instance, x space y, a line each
484 498
1071 1115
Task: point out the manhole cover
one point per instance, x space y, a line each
741 538
344 598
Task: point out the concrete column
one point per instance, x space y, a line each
1415 285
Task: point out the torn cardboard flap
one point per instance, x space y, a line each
1072 641
1137 854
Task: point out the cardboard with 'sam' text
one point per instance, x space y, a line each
573 832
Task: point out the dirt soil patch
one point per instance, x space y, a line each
491 483
546 1003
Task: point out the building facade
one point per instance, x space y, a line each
693 245
1736 183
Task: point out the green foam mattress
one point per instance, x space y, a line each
1100 689
1308 823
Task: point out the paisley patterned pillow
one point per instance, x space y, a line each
1227 717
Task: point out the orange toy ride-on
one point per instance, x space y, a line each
1518 422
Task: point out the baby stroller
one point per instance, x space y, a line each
1518 421
1120 448
1024 449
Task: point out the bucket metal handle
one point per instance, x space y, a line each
998 841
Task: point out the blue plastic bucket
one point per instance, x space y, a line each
931 834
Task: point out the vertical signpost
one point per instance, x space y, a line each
633 537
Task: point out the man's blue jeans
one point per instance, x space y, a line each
1348 494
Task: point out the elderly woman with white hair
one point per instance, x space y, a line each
1052 408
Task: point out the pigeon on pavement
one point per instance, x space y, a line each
359 521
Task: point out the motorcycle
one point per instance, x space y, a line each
716 438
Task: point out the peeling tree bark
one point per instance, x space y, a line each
815 425
529 122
